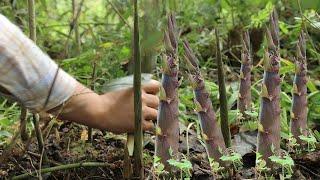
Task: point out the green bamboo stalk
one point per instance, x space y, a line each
32 35
138 135
32 20
167 130
59 168
299 111
92 86
150 34
23 124
269 117
222 94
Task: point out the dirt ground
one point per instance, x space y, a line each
66 144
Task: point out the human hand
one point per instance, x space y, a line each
112 111
119 117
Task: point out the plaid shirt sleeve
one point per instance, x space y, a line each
30 75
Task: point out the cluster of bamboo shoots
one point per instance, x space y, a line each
167 130
269 117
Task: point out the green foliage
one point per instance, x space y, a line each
158 167
286 163
291 142
311 141
261 166
184 165
234 158
261 17
215 167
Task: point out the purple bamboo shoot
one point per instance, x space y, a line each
244 99
167 130
269 117
211 132
299 103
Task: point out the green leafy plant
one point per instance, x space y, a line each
215 167
158 167
234 158
258 19
286 163
310 139
261 166
184 166
292 145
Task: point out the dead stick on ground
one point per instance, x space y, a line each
61 167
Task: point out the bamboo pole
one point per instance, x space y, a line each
138 135
32 35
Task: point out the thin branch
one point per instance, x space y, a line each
61 167
119 14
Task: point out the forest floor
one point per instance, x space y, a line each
67 144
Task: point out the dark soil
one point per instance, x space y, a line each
66 144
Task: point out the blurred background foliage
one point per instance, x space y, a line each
105 30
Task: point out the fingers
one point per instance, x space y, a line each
149 113
150 100
151 87
148 126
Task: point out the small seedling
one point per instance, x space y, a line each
184 165
292 144
261 166
310 140
158 167
286 163
215 167
234 158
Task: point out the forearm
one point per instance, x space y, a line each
83 107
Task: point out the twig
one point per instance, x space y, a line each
61 167
23 124
119 14
37 129
74 19
32 20
93 80
39 156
